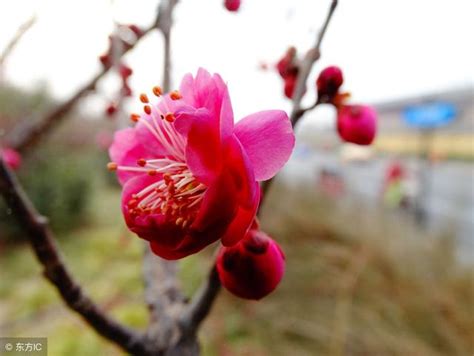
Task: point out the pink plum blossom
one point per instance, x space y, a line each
11 157
189 174
252 268
357 123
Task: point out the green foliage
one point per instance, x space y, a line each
17 104
59 187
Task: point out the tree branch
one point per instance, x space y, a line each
15 40
26 135
44 246
201 303
310 59
164 299
165 25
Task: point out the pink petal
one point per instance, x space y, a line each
238 165
226 113
187 90
210 92
219 205
125 151
242 221
268 140
204 147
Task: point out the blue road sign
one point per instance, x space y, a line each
429 115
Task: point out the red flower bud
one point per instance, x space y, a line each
290 83
105 60
286 66
126 90
252 268
125 71
357 123
110 110
232 5
328 83
136 30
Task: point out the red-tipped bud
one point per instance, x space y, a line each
328 83
287 66
136 30
11 157
126 90
232 5
125 71
105 60
290 84
357 123
252 268
111 110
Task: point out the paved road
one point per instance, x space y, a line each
450 187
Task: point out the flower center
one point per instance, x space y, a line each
177 194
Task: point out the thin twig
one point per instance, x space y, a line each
26 135
165 25
44 246
310 59
22 30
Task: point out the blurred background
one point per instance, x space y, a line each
379 240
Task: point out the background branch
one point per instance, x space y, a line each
165 23
22 30
312 56
26 135
42 241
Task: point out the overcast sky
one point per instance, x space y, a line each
387 49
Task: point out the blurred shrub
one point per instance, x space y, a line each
60 188
59 176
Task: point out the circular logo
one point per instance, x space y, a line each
8 346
